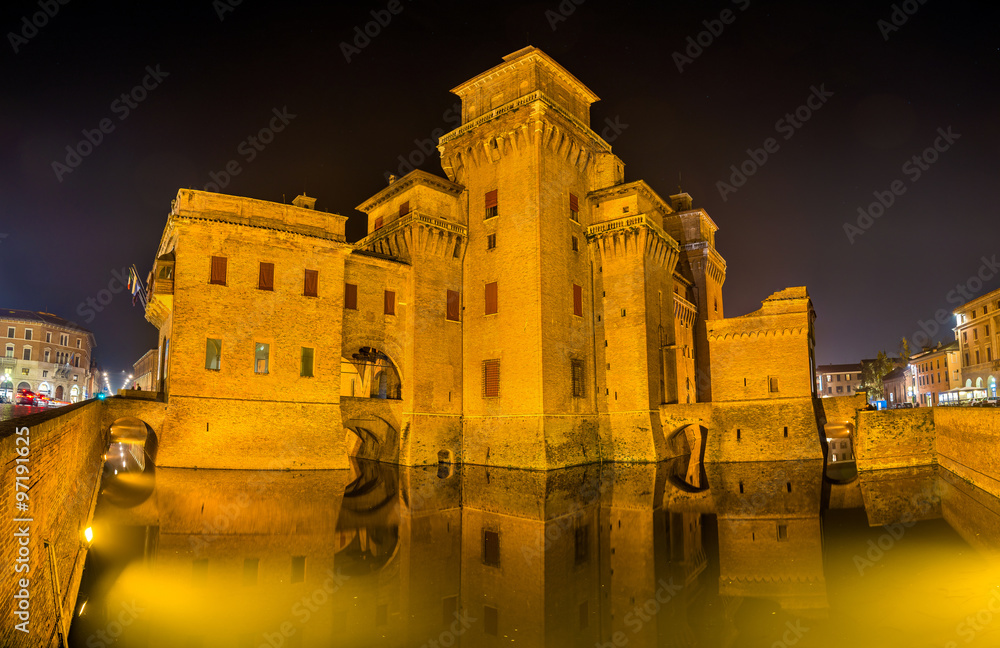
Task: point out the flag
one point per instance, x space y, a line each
135 286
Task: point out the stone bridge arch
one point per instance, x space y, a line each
136 432
391 344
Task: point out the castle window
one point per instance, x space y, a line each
390 302
786 431
576 367
576 245
310 287
261 354
491 548
213 354
265 278
491 241
490 622
491 204
404 209
453 306
491 378
772 385
578 300
582 544
218 271
350 296
738 434
378 223
782 532
574 208
298 569
306 364
491 298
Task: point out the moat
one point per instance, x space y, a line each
674 554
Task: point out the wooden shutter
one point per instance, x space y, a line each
404 209
491 378
491 298
491 198
311 287
577 300
390 302
574 204
265 280
219 270
351 296
378 223
454 305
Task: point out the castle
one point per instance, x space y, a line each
532 309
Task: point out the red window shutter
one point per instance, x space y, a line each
404 209
577 300
491 198
311 287
491 378
454 307
491 298
219 270
378 223
390 302
573 204
265 279
351 296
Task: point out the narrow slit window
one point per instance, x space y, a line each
578 301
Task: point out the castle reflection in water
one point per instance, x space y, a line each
640 555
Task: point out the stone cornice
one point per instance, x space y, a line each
520 57
411 179
626 223
530 98
639 187
413 218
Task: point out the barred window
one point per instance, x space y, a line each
577 369
491 378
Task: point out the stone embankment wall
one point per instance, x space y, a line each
62 454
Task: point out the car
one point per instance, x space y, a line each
27 397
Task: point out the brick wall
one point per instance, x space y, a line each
967 439
66 455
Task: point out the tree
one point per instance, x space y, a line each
872 374
904 351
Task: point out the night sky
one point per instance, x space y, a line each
881 94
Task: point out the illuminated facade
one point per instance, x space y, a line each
533 309
44 353
976 332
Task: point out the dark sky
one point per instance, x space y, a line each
68 233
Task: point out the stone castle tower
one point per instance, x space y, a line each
533 309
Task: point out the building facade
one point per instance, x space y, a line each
46 354
838 380
533 309
899 387
976 332
935 371
144 371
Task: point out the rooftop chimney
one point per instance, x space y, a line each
304 201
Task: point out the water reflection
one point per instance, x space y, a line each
675 554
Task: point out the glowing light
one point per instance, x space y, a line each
82 607
89 535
